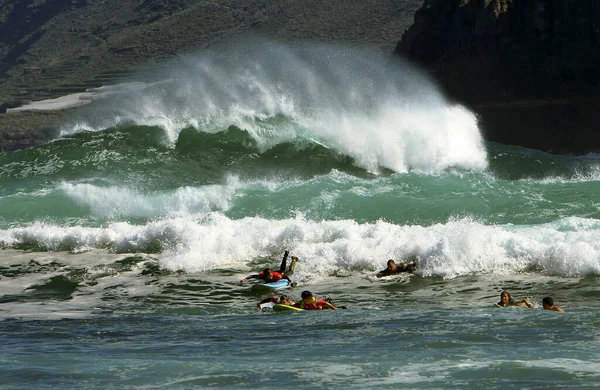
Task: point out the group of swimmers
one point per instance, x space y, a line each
269 276
309 302
506 301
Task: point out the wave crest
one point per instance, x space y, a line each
379 111
461 247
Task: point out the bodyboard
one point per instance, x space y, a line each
280 307
268 287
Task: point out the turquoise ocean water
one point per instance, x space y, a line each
124 240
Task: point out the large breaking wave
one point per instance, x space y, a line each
361 103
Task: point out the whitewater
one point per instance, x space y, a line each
124 239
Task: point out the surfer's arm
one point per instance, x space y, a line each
525 302
329 305
254 276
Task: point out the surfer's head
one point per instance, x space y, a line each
308 298
391 265
505 297
547 302
285 300
268 273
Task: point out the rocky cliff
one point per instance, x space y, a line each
529 68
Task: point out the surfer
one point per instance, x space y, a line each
393 268
309 302
269 276
506 301
282 300
548 304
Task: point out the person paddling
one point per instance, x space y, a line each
270 276
393 268
309 302
506 301
548 304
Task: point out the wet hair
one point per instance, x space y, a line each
267 270
548 301
306 294
510 302
284 298
391 261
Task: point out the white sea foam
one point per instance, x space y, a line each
590 172
116 201
213 241
573 366
442 370
382 113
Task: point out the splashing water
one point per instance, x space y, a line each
380 111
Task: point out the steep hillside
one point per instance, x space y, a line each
51 47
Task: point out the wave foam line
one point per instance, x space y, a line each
569 247
116 201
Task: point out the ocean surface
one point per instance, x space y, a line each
124 240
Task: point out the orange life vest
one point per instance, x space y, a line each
276 277
316 304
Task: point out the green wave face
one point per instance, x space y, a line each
132 172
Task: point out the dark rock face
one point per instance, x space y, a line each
529 68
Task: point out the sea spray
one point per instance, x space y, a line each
380 111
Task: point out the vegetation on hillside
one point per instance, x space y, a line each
52 47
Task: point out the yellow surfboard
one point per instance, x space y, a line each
280 307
